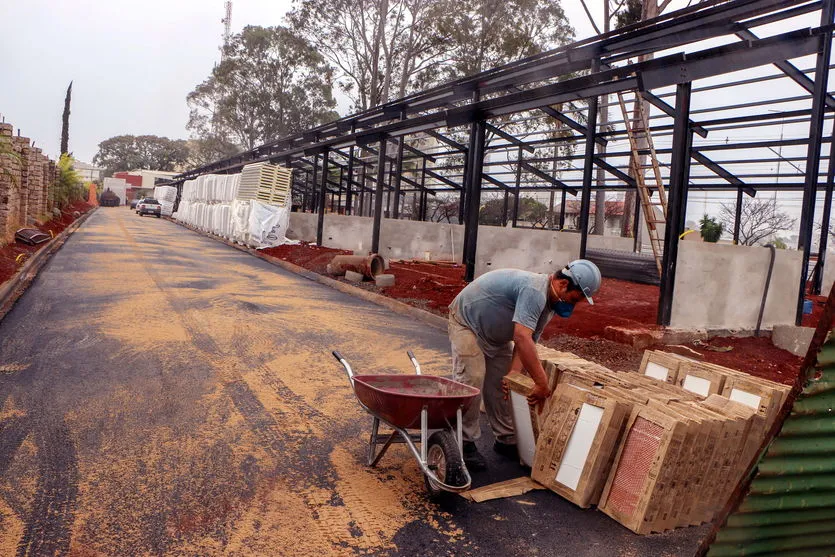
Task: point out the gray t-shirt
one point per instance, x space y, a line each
492 303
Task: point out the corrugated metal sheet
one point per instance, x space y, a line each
790 506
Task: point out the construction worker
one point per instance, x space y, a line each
494 324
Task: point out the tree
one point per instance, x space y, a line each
442 208
270 83
759 220
482 34
129 152
203 151
69 187
65 122
710 229
384 49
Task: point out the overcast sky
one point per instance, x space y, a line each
132 62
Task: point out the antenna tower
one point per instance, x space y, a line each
227 24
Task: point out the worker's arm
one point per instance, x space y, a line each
525 356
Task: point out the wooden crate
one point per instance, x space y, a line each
700 379
578 442
527 419
660 365
650 446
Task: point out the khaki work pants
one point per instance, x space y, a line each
472 367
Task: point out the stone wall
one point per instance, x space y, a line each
25 178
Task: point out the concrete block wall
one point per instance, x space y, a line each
720 286
24 184
399 239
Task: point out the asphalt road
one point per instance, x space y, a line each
164 394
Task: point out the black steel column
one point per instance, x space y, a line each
562 210
362 182
474 199
827 211
323 193
588 169
636 221
350 173
738 215
398 178
378 197
810 184
676 200
423 193
314 202
504 209
518 188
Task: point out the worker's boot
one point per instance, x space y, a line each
507 450
472 458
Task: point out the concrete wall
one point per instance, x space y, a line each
828 273
721 286
610 242
541 251
399 239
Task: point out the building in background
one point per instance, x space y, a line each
141 183
87 171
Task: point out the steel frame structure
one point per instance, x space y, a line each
415 145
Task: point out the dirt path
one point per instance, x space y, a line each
170 395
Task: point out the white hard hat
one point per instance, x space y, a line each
585 275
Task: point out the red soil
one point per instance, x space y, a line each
433 285
311 257
10 252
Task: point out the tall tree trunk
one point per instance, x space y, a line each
603 116
630 228
65 125
379 37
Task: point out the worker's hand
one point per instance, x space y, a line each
505 388
539 394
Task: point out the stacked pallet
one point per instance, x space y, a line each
655 450
265 182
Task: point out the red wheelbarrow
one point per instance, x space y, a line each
405 402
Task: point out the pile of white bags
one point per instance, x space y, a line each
211 204
166 195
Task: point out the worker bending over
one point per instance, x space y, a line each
494 324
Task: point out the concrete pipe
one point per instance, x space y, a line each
367 265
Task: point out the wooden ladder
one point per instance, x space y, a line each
637 128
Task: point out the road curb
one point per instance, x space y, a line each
402 308
13 289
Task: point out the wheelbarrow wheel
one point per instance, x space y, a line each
445 460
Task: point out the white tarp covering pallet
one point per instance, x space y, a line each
166 195
216 203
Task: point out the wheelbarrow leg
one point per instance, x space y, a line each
372 443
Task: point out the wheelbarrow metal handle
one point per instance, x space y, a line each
414 361
346 365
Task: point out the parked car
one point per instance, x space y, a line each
134 203
149 206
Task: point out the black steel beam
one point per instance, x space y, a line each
664 107
496 182
789 69
810 185
474 201
509 138
588 171
444 139
676 201
721 172
547 177
629 180
444 179
378 198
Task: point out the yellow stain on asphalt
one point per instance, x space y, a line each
228 323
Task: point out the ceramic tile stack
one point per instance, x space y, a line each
655 450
